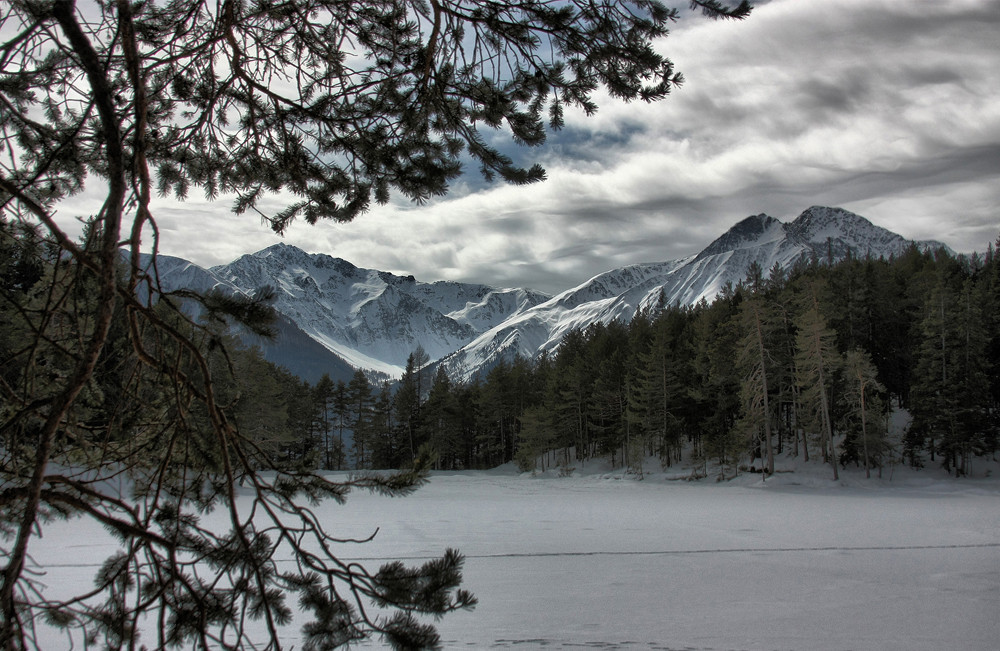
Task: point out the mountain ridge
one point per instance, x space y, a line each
373 320
818 231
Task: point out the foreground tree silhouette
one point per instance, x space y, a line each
331 103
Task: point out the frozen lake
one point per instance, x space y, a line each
597 561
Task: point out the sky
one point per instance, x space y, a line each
887 108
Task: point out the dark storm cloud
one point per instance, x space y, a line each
930 74
828 97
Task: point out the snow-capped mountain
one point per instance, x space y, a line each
618 293
292 348
373 319
334 316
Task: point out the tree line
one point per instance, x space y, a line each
811 361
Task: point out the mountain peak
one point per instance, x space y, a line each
279 249
839 232
749 231
818 223
284 253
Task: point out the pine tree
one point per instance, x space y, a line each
359 399
989 285
262 415
717 387
662 395
332 104
973 410
498 413
408 405
534 438
815 362
381 431
951 389
569 395
866 406
340 411
610 399
441 420
323 394
759 322
302 446
783 352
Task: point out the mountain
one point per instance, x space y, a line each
373 319
335 317
619 293
292 348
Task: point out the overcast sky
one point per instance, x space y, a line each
888 108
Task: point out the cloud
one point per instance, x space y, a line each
884 107
809 102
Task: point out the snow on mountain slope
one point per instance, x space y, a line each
618 294
177 273
293 349
605 297
845 231
373 319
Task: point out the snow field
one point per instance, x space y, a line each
605 562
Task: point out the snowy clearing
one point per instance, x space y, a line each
602 561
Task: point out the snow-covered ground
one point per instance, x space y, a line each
601 561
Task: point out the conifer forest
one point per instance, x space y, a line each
809 361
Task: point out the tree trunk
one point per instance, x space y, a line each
768 446
864 432
827 426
